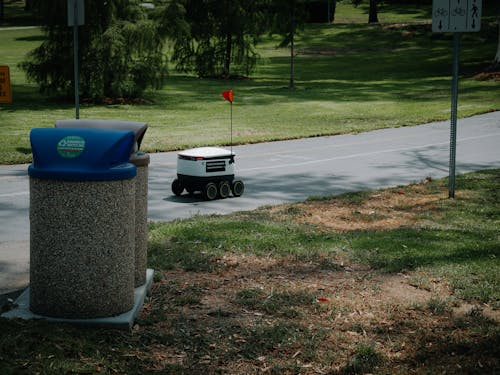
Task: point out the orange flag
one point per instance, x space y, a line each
228 95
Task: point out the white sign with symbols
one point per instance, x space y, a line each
457 16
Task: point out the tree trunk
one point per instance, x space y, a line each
227 63
292 52
332 5
373 15
292 49
28 5
496 62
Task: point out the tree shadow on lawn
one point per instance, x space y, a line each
409 334
28 97
246 314
33 38
408 249
222 322
346 91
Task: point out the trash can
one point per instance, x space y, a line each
141 161
82 204
139 128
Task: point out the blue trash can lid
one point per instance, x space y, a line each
81 154
139 128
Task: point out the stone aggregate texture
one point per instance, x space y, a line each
141 161
82 247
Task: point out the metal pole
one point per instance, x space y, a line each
231 128
75 60
454 105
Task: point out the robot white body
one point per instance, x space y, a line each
209 170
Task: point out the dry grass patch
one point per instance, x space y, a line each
294 290
326 314
380 210
280 315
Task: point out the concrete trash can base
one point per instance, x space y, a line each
81 223
141 161
81 259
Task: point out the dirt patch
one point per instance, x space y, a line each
467 309
333 311
350 284
335 51
382 210
283 315
487 76
230 325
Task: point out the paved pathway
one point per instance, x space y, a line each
280 172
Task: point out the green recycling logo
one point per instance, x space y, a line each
71 146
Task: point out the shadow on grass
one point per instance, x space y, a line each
365 63
24 150
478 355
240 317
34 38
27 97
408 249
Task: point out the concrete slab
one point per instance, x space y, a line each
122 321
14 266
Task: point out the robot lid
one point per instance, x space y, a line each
202 153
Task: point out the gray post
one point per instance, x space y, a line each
454 105
75 60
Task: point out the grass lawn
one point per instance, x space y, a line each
399 281
350 77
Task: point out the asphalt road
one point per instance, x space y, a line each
278 172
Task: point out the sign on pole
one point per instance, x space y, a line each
456 16
5 89
76 18
76 13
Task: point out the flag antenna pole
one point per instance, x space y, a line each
231 116
228 95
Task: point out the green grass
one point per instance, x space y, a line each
278 302
285 329
191 244
387 13
461 244
398 12
350 77
364 360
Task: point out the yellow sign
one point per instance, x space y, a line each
5 90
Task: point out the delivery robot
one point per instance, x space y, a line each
209 170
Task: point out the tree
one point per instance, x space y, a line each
496 61
121 52
288 16
214 37
372 12
28 5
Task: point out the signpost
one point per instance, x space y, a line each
76 17
5 89
456 16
